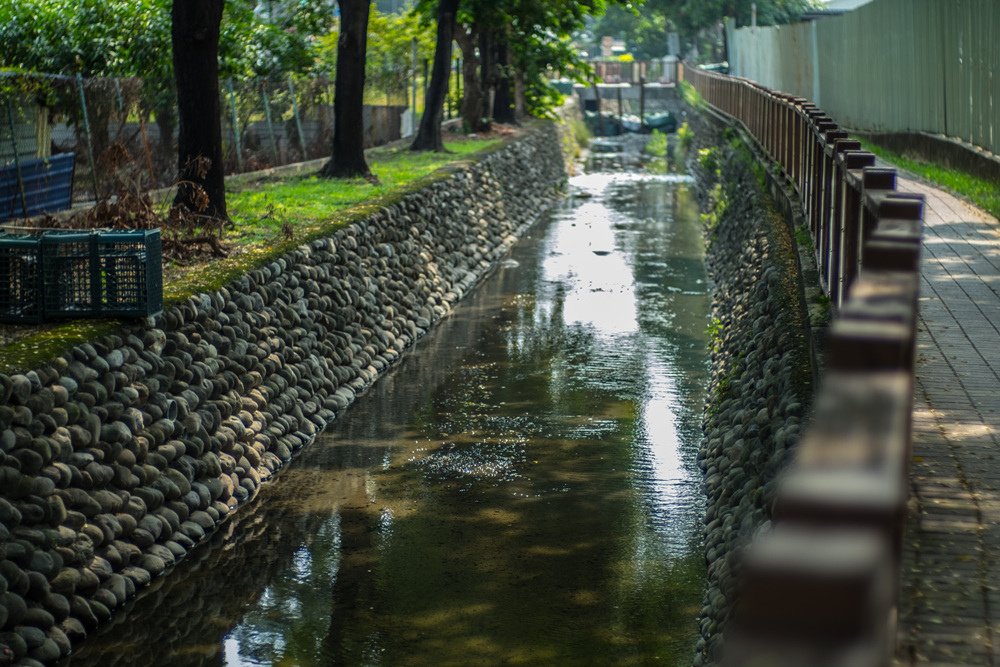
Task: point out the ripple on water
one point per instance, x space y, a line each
480 462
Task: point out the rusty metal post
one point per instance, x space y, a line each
17 159
642 103
597 106
85 116
621 107
270 122
298 118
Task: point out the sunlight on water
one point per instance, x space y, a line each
522 489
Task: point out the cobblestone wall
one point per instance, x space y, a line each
761 370
117 458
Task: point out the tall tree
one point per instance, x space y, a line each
503 97
473 110
195 39
348 158
429 136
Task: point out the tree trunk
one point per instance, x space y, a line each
520 95
472 90
429 136
195 38
503 101
487 68
348 158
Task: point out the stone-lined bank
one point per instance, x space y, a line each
117 458
761 367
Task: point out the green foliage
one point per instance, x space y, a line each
645 28
540 57
575 138
581 133
389 62
691 96
804 239
824 304
644 32
716 208
540 34
714 332
132 37
657 144
708 159
97 37
685 137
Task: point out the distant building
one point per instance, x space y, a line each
833 8
845 5
392 6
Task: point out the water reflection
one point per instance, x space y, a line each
520 490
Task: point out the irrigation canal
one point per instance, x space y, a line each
522 489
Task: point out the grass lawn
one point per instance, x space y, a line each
981 192
312 208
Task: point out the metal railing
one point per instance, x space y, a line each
819 585
633 72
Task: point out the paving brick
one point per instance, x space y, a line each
951 564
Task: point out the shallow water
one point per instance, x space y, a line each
522 489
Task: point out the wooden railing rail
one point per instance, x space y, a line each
819 585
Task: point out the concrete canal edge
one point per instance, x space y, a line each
120 456
765 316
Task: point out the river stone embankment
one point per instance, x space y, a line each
120 456
761 367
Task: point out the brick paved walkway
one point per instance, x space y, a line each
950 603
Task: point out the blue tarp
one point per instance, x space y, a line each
48 186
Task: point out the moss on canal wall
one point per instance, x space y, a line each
120 456
761 361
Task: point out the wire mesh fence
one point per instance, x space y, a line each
115 133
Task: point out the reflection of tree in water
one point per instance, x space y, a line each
531 543
182 618
274 556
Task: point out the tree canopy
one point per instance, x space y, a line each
645 25
132 37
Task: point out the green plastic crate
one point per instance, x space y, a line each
56 274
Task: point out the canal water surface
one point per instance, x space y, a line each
521 489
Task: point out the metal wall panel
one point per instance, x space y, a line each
891 66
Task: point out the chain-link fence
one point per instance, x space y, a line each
110 133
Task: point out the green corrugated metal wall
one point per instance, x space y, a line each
892 65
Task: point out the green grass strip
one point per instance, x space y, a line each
312 207
981 192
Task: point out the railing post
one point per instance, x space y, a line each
827 182
825 574
854 161
835 224
816 157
